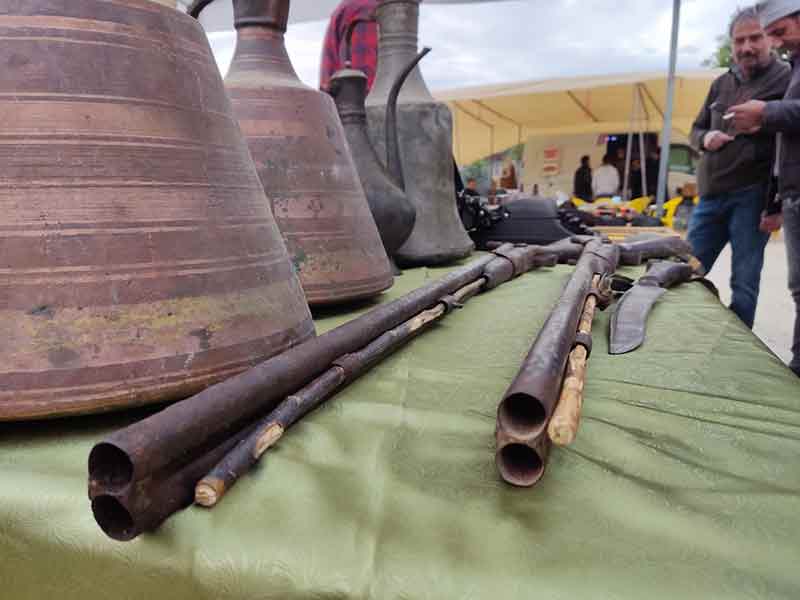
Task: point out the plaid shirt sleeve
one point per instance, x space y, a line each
364 43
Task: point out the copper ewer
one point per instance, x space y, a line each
140 262
425 134
301 153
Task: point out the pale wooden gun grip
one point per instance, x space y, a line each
563 426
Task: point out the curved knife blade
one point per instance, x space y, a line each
629 321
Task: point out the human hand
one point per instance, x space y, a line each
771 223
747 117
715 139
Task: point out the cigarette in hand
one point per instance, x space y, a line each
728 116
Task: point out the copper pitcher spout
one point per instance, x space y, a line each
393 162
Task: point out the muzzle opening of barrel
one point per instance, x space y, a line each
113 518
521 415
110 468
520 465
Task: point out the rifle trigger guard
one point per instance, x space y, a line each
604 292
585 340
620 284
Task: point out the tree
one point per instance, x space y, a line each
722 57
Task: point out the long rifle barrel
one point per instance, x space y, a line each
343 371
526 408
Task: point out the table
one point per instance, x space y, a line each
683 482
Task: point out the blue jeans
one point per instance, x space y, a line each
733 217
791 224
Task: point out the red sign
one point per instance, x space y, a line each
552 154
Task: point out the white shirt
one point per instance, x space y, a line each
605 180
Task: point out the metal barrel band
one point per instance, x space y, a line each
585 340
513 256
450 303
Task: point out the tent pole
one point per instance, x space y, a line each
642 161
629 149
666 134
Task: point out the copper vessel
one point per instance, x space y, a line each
425 132
393 212
140 262
301 153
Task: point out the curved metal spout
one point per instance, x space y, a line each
393 162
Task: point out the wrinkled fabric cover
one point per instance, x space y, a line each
683 482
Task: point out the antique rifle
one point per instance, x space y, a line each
527 406
142 474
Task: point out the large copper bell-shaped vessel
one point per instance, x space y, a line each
425 132
140 261
301 154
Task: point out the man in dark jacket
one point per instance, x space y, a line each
734 170
781 21
582 184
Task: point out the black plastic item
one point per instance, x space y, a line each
531 220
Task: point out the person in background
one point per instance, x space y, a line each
734 171
359 14
582 183
472 187
508 177
619 163
605 181
635 179
781 21
651 166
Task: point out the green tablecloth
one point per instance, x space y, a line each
683 482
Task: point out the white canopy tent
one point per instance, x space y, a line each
218 15
490 119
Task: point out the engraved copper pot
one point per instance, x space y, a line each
425 132
140 262
301 153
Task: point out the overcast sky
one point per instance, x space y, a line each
535 39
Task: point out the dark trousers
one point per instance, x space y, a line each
733 217
791 224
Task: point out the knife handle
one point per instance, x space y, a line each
666 274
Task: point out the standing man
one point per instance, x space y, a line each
582 183
605 182
360 15
472 188
781 21
735 170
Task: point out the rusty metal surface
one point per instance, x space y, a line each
425 133
305 166
140 261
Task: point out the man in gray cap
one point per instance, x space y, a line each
734 172
781 21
